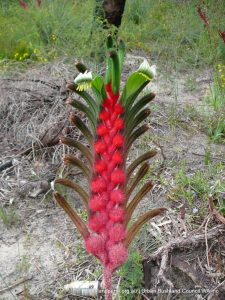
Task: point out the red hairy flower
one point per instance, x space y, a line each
117 157
117 214
100 147
97 221
118 176
102 129
117 196
100 166
95 244
119 123
97 203
98 185
117 255
104 115
118 109
118 140
117 233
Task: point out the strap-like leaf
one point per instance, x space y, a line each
80 106
83 149
97 87
76 187
140 222
115 71
121 53
133 123
71 159
135 135
137 178
72 214
128 101
139 160
76 121
88 99
129 114
134 202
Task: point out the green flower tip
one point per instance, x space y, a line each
83 81
149 72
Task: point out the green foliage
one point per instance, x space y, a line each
214 114
132 277
8 217
162 28
195 188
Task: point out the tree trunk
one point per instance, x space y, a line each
109 12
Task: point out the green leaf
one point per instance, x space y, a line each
76 121
76 187
83 149
115 71
97 86
133 123
79 223
80 106
138 197
71 159
132 184
140 222
141 103
135 135
127 102
138 161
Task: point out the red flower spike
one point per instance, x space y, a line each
95 244
118 254
117 233
100 147
117 196
104 115
118 109
100 166
118 140
117 215
117 157
23 4
119 124
102 130
118 176
97 222
98 185
97 203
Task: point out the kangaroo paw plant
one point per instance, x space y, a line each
115 124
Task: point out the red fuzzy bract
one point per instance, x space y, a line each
117 215
97 203
104 115
117 233
119 109
119 123
118 140
102 129
117 255
118 176
100 147
100 166
94 244
97 222
98 185
117 157
117 196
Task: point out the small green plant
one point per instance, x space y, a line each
8 217
132 277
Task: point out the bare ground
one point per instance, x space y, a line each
40 250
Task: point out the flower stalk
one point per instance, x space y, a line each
115 120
